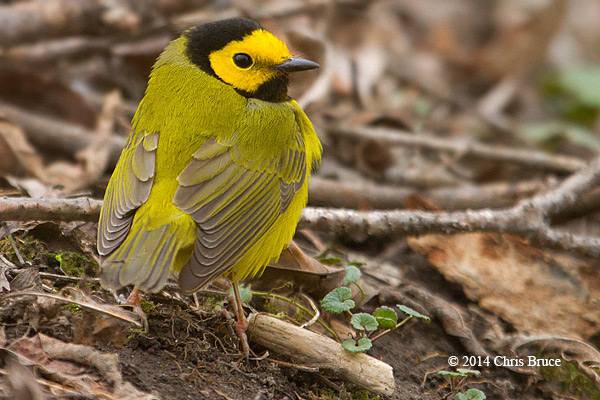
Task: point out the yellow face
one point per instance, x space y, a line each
246 64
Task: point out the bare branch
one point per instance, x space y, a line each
529 158
26 209
367 195
53 134
28 20
529 218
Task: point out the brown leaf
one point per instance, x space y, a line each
78 368
307 274
535 290
43 93
22 382
17 156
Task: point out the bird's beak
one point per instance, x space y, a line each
293 64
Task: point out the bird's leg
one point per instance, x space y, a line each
134 298
134 301
242 323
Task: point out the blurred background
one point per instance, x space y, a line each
520 73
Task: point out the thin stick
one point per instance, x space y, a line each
79 303
529 158
301 307
528 218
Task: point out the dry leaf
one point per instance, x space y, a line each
17 156
78 368
535 290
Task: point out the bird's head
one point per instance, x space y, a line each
243 55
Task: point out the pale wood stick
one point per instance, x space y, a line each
312 349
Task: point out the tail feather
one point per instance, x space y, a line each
145 259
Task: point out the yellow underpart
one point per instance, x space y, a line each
264 49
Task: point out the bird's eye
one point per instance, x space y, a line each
242 60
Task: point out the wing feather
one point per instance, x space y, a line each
127 190
234 203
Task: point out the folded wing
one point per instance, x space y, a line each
233 204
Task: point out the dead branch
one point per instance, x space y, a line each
313 349
26 209
528 218
29 20
367 195
55 135
529 158
51 50
76 46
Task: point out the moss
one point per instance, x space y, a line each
147 307
71 307
361 394
34 251
30 249
345 394
75 264
271 306
571 378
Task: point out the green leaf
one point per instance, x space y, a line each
471 394
583 83
330 260
451 373
459 373
361 346
357 263
338 300
353 274
467 372
386 317
410 311
364 321
551 133
245 293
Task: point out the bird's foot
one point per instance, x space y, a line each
240 329
134 299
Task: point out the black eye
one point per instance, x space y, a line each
242 60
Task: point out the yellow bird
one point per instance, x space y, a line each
215 172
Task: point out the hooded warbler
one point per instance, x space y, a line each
215 172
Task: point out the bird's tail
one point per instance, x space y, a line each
147 256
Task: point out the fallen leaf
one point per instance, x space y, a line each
535 290
17 156
79 368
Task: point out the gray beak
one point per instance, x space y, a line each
293 64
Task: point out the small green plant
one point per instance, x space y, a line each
457 381
147 307
369 327
74 264
471 394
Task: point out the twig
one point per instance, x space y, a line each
310 348
529 158
529 218
26 209
367 195
79 303
29 20
55 135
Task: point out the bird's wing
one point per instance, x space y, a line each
127 190
234 202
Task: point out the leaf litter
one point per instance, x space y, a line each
456 70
